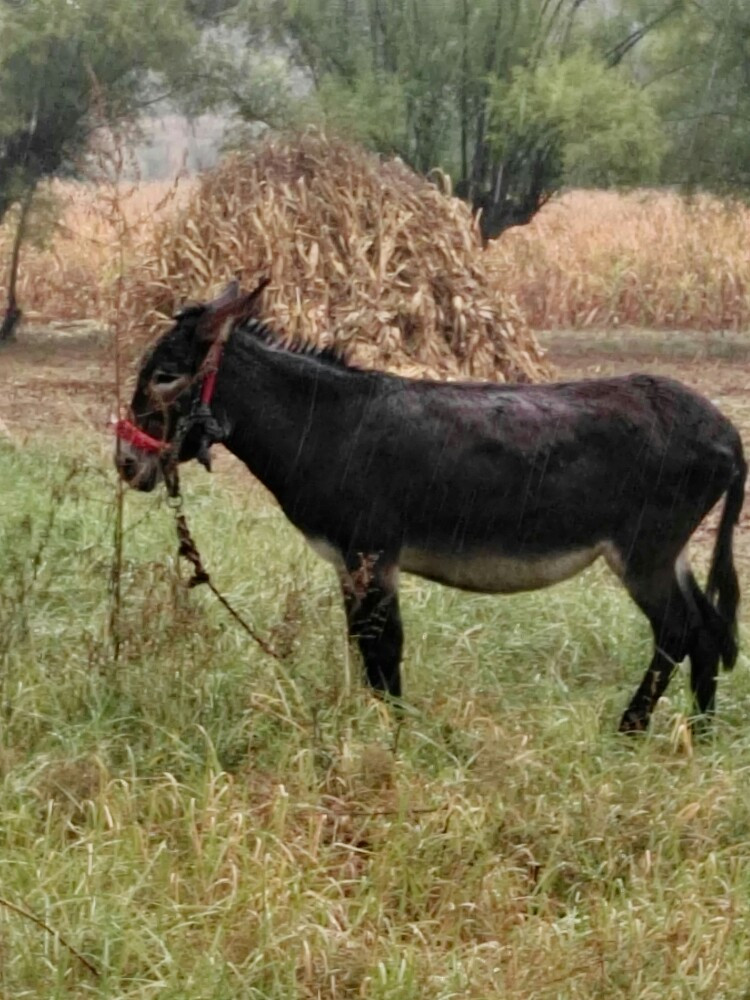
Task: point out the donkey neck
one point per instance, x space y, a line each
282 410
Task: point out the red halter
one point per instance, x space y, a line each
126 430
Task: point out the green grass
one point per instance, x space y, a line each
201 822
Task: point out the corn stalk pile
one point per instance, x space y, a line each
361 253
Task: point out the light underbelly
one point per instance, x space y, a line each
500 574
326 551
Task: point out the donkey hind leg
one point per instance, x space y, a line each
705 647
674 620
369 584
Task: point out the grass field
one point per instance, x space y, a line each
198 821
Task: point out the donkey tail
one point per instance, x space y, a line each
722 589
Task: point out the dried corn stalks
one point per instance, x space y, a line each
70 274
361 253
648 258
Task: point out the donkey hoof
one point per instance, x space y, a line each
631 724
701 726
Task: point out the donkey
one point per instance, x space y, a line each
486 487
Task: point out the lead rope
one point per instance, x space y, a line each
189 550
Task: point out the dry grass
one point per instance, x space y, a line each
68 271
649 259
366 254
360 252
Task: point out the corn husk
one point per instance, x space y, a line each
362 253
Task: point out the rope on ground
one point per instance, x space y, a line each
21 912
189 550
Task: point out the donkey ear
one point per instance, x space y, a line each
229 295
228 309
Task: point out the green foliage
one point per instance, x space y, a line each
255 81
66 68
424 79
371 110
602 129
209 11
385 69
699 71
43 217
518 97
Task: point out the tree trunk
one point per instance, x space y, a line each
464 100
13 312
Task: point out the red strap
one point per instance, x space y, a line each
126 431
207 389
211 365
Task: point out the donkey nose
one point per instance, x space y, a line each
128 467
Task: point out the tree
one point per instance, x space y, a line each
573 120
699 76
66 67
445 85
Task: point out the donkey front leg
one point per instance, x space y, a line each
369 584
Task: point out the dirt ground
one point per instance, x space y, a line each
61 376
57 377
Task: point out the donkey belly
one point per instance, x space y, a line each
501 574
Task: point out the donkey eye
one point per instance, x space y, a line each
167 383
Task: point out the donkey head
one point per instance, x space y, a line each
168 402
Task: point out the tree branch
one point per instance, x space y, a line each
618 52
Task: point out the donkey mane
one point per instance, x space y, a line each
333 355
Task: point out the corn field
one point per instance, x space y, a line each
652 259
